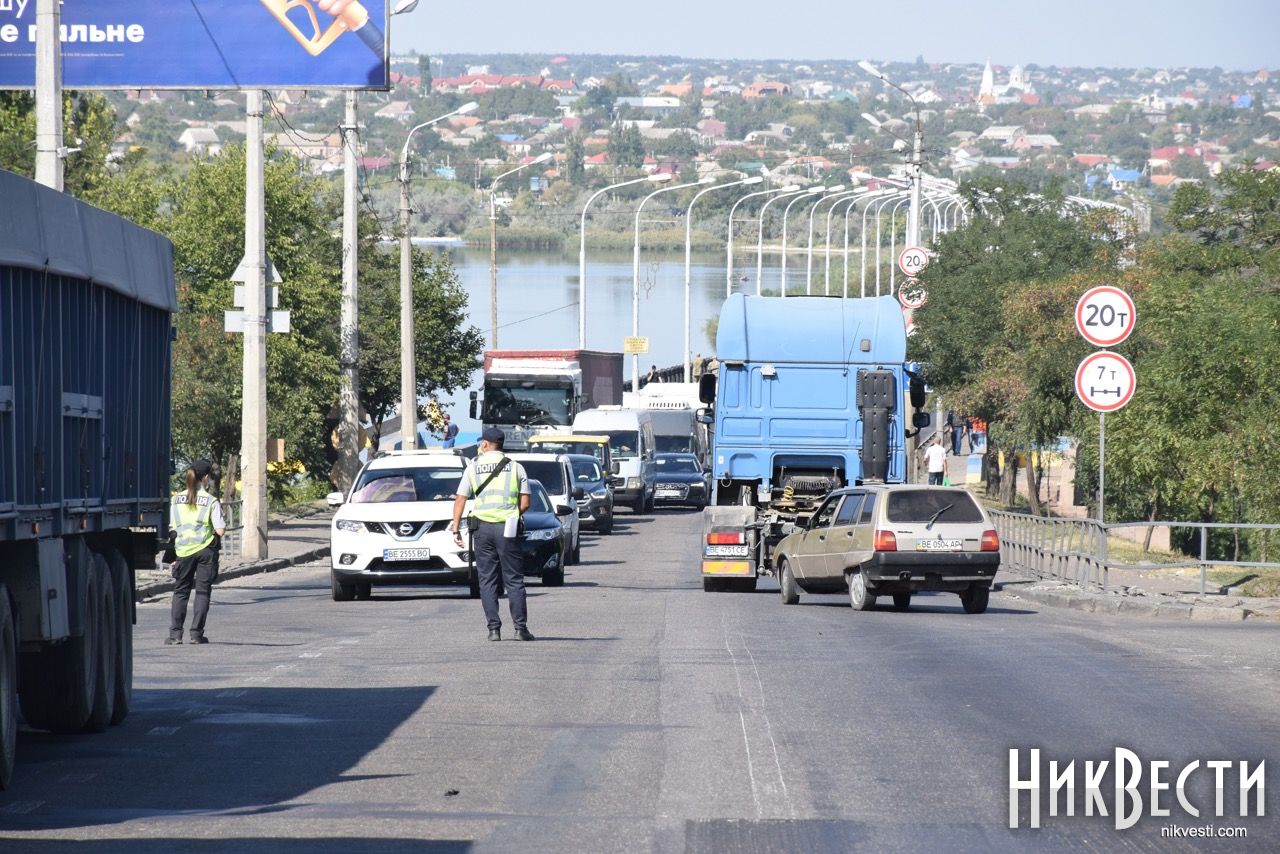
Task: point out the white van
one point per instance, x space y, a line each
631 444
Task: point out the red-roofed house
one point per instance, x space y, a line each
1091 160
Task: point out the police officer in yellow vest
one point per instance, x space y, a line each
501 491
196 518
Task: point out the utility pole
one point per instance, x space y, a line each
49 94
408 377
493 269
348 392
917 178
253 419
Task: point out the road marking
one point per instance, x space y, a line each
315 654
231 694
768 786
21 807
78 777
162 730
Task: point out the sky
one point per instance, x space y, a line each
1233 34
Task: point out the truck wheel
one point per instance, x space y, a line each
743 585
8 689
787 584
104 694
58 682
121 579
859 597
341 592
975 598
901 601
712 585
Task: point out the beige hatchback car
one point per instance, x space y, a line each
892 540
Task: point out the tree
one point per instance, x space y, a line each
424 73
626 147
446 348
574 155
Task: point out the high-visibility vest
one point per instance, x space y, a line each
500 499
193 530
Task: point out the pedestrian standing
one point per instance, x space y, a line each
500 488
935 458
196 519
450 432
652 376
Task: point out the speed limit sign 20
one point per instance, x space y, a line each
912 260
1105 316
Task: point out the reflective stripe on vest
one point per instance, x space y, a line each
501 498
191 526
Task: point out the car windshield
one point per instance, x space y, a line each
549 473
586 471
673 444
678 464
923 505
539 502
517 405
623 443
382 485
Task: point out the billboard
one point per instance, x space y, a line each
204 44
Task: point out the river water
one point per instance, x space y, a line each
538 300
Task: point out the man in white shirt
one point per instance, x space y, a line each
935 459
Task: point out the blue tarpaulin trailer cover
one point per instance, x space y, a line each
71 238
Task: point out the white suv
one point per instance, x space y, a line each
393 527
555 473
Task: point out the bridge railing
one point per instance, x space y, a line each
1078 550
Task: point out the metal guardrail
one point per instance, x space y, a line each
233 514
1077 550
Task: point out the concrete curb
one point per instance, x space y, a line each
1101 603
156 588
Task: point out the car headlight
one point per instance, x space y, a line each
697 484
600 493
349 526
633 483
542 534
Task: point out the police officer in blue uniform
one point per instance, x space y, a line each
500 488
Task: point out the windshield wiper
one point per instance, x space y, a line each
935 516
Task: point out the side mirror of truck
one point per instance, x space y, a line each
921 419
615 467
704 416
917 391
333 499
707 388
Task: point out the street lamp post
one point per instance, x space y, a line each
917 154
812 191
790 188
851 197
408 378
635 272
493 243
688 258
808 274
582 249
786 191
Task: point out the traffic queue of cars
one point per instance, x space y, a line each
392 527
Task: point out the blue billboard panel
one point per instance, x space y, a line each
204 44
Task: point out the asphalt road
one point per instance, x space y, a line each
648 716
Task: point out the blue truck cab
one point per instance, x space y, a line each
811 394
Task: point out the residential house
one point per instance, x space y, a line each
399 111
653 106
1034 142
200 140
765 89
1002 134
